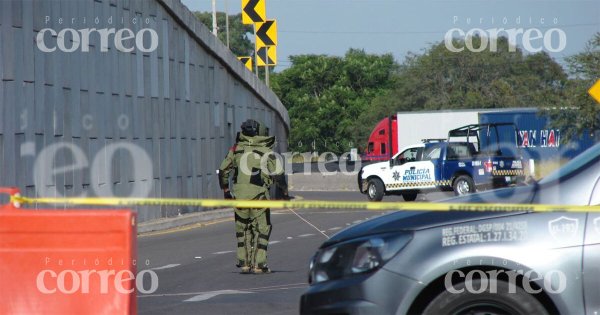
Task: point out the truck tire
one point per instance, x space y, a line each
502 301
375 190
409 196
463 185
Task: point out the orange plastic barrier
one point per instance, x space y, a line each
67 261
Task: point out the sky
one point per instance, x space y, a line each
332 27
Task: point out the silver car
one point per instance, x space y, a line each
471 262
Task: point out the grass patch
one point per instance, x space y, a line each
543 168
310 157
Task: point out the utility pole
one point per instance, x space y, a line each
214 17
227 22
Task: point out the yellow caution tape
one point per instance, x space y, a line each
304 204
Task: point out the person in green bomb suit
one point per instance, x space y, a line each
252 164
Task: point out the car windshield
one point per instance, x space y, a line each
584 158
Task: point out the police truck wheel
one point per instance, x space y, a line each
409 196
375 189
463 185
502 301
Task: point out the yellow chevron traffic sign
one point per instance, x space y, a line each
594 91
266 34
271 56
253 11
247 61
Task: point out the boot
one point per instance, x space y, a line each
245 270
263 270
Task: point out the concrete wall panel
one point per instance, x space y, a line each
178 106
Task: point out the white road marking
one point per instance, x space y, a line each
198 257
257 289
289 237
335 228
211 294
308 222
306 235
223 252
357 221
347 223
165 267
274 242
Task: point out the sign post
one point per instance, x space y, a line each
266 68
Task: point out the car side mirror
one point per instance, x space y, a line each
391 162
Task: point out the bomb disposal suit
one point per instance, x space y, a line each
251 163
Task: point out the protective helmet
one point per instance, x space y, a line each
250 128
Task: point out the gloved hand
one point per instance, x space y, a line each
227 194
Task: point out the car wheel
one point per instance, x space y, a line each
409 196
463 185
502 301
375 190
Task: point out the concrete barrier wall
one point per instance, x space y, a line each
112 123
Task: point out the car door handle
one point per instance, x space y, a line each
412 167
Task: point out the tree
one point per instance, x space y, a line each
441 79
325 94
239 43
580 113
332 100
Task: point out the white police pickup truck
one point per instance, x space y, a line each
459 166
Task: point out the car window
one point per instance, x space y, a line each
431 153
460 151
409 155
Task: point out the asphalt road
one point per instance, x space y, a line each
196 267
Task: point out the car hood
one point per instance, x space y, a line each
411 221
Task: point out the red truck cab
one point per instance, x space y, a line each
383 141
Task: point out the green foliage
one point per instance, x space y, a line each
340 99
580 112
441 79
324 95
239 43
